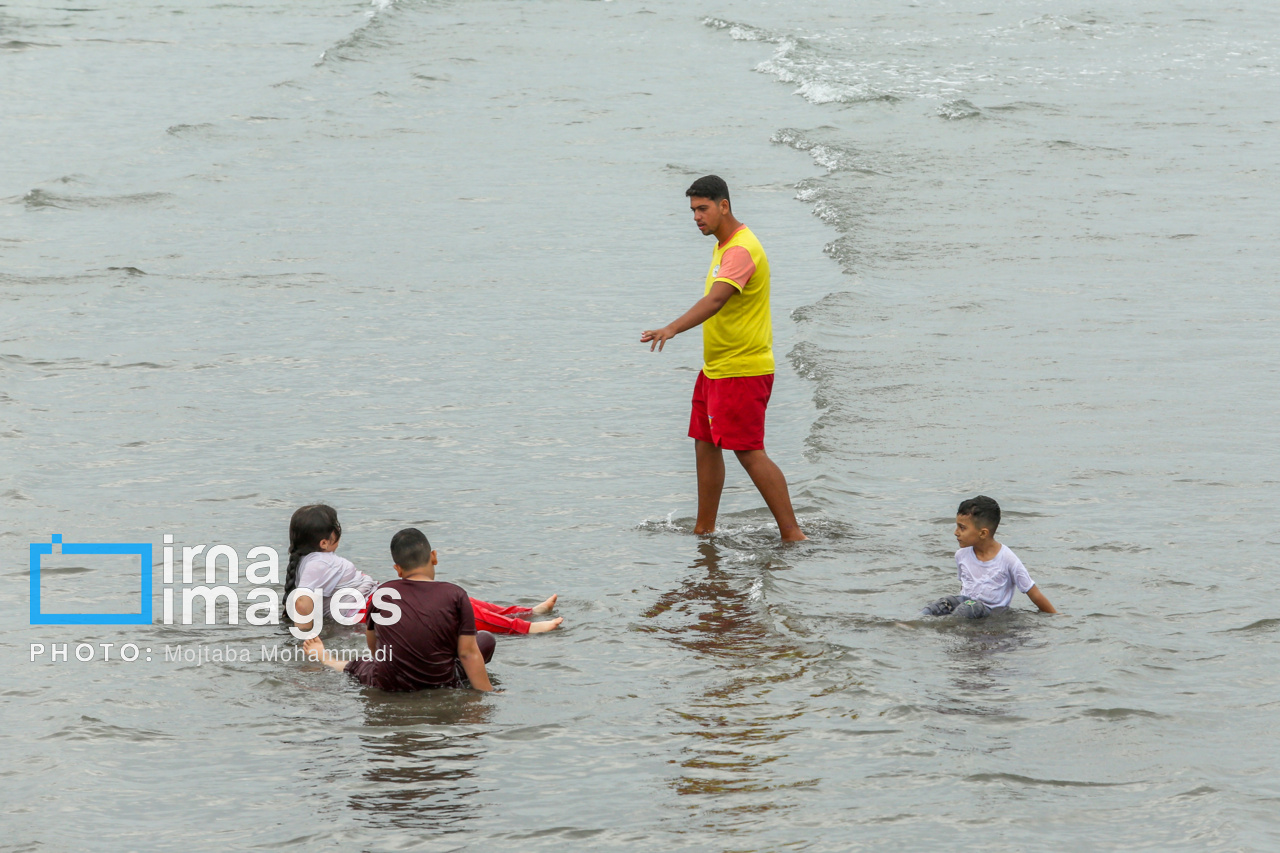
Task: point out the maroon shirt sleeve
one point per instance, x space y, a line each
369 624
368 609
466 616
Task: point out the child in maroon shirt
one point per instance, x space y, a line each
427 638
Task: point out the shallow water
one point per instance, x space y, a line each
397 257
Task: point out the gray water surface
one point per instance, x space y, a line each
396 258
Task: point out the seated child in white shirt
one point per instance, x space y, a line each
314 533
989 572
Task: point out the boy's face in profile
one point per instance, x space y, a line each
968 533
707 213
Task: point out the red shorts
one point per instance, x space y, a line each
729 412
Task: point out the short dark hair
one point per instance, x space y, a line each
983 510
410 549
709 186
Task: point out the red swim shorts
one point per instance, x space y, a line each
729 412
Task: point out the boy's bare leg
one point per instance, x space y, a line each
543 627
710 463
546 606
315 649
769 479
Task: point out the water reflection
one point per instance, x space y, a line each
980 656
736 729
420 756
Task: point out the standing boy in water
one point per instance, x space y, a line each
989 571
434 643
732 390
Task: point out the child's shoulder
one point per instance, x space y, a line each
326 559
1008 558
451 588
445 588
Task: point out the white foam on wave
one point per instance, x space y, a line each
822 79
362 37
837 66
824 92
829 156
669 524
797 61
737 32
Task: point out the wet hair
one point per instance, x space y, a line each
308 526
711 187
410 549
984 511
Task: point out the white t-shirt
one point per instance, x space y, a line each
992 582
327 572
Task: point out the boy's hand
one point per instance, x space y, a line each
657 337
702 310
473 663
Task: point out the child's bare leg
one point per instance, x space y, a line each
315 651
546 606
768 478
543 627
709 461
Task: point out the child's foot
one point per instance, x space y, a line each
314 649
546 607
544 627
792 534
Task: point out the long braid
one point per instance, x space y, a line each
291 573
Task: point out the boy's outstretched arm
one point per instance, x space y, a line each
704 309
473 663
1038 599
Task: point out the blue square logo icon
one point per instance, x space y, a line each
40 549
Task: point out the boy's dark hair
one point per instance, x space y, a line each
983 510
410 549
307 527
709 186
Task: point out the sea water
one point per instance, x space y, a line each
396 258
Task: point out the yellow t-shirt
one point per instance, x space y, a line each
738 339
